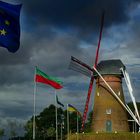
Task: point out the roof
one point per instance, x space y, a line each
110 67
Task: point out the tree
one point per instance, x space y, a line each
28 128
1 133
45 123
13 133
73 122
51 132
89 122
12 125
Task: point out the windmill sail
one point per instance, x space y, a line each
80 67
128 83
92 77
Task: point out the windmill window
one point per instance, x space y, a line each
98 93
108 111
119 93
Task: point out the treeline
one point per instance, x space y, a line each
46 123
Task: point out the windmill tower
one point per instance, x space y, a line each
108 114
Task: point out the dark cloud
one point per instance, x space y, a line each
80 13
15 109
78 17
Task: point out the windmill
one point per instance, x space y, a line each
109 104
109 115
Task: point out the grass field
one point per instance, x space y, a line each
106 136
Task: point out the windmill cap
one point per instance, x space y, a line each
110 67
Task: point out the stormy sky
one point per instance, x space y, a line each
54 30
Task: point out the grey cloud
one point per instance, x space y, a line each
15 109
77 13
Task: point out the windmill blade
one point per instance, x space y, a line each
92 78
79 68
100 37
81 63
129 86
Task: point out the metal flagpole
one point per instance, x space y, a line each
77 126
67 123
56 116
34 112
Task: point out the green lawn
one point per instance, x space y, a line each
106 136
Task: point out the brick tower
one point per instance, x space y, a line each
108 114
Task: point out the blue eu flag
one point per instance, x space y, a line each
9 26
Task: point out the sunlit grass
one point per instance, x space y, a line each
106 136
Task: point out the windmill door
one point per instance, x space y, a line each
108 126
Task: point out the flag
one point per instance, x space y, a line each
10 26
73 109
44 78
58 102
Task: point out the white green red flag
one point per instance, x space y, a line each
41 77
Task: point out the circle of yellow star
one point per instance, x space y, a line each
3 32
7 22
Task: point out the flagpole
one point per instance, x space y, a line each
56 116
77 126
34 112
67 123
